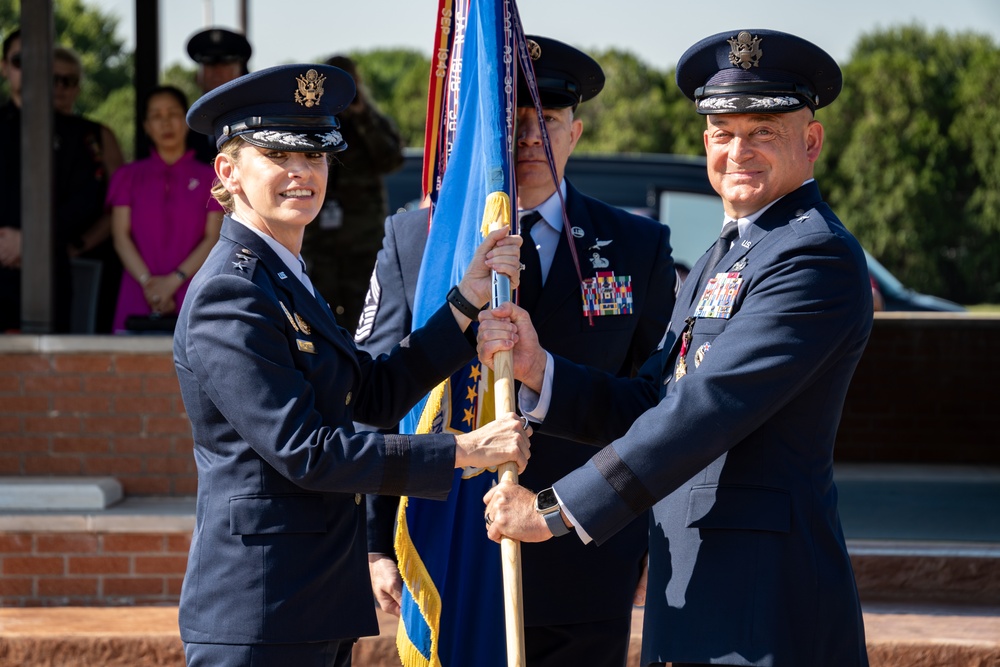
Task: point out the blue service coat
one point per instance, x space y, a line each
748 563
564 581
271 386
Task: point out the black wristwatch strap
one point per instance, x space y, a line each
456 299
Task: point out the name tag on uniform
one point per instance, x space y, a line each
719 296
607 294
305 346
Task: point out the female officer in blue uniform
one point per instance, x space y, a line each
277 572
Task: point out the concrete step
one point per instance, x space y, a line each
59 493
899 635
964 573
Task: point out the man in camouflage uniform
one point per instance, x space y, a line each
340 245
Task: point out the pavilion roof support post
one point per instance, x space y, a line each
37 169
244 17
147 64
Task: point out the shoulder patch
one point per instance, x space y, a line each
367 321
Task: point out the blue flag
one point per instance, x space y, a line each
452 608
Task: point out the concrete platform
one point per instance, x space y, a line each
59 493
898 636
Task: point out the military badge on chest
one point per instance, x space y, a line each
605 293
719 296
300 326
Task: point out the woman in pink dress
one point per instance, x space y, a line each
164 219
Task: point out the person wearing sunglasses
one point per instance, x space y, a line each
80 183
95 243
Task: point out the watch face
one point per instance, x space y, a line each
546 500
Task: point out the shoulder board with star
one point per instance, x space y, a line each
242 262
808 221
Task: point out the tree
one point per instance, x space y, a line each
977 127
397 81
899 163
107 67
628 115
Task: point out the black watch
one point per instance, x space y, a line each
456 299
547 505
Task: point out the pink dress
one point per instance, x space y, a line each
169 205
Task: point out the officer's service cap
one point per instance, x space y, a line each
757 71
287 107
218 45
566 76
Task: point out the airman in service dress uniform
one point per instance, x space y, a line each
728 433
612 321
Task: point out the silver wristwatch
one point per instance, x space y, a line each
547 505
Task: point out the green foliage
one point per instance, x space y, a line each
117 111
628 115
640 110
183 78
904 157
977 126
107 68
397 80
93 35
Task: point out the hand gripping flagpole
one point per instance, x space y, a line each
496 214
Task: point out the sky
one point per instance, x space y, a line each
656 31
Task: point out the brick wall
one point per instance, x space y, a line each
93 407
91 568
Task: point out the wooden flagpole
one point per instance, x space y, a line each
497 214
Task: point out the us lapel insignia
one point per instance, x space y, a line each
305 346
306 329
577 232
289 316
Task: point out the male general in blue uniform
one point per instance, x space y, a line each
728 433
577 598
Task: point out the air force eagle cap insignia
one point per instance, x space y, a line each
566 75
757 71
287 108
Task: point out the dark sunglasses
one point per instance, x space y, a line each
66 80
